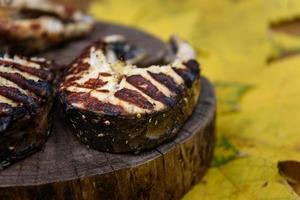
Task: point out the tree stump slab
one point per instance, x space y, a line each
66 169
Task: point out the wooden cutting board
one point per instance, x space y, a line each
66 169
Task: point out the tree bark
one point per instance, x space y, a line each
66 169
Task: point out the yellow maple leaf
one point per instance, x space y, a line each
247 178
258 92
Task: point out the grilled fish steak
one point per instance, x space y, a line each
25 102
114 106
30 26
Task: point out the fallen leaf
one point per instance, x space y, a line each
289 26
224 152
258 101
243 179
230 94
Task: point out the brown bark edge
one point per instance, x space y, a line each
65 169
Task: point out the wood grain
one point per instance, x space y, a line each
66 169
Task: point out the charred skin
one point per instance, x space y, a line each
25 104
108 126
25 137
131 133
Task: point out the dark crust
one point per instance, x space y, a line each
130 133
28 105
14 94
93 104
25 128
43 74
107 127
40 88
25 137
5 109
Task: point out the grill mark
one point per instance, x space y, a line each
104 74
37 64
94 83
149 89
20 105
86 54
23 91
79 68
73 71
3 99
44 63
103 90
15 95
93 104
144 85
40 88
45 75
69 81
35 26
166 80
90 84
186 75
134 97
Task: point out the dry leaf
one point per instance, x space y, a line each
289 26
235 42
291 171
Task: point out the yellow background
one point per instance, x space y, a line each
258 102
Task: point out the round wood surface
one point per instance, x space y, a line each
153 46
67 169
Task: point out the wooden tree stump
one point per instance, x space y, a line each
66 169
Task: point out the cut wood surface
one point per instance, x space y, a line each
67 169
154 47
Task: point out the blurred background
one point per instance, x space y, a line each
250 50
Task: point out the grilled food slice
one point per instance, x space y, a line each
29 26
25 102
117 107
